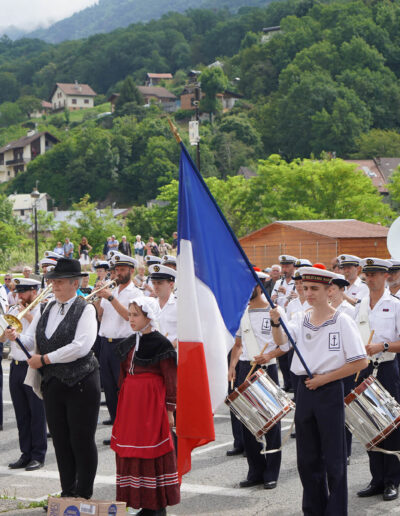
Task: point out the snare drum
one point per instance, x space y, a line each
259 403
371 412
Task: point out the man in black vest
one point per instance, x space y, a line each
65 333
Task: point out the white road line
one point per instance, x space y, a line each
206 449
222 416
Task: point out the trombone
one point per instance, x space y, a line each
15 321
92 297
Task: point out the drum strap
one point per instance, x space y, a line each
396 453
264 451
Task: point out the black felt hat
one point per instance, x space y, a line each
66 268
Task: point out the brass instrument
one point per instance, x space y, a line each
92 297
15 321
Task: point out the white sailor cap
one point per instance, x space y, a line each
302 262
261 274
340 281
46 262
316 275
286 259
25 284
395 265
124 259
152 260
375 264
168 258
112 254
51 254
297 276
162 272
349 259
102 264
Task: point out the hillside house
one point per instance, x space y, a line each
15 156
154 79
72 96
378 170
23 205
228 99
158 94
46 107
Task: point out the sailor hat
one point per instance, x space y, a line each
340 281
51 254
302 262
315 275
46 262
286 259
162 272
112 254
297 276
25 284
375 264
261 274
395 265
152 260
168 258
124 259
348 259
102 264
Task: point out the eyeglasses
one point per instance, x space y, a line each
7 279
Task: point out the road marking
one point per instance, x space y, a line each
210 448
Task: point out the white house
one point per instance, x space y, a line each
23 205
17 154
72 96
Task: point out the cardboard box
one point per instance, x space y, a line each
82 507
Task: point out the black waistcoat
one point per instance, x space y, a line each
69 373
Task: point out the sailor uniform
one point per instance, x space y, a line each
167 320
319 417
357 290
284 360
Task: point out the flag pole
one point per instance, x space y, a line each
174 131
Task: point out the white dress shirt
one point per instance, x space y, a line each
81 343
295 306
357 290
112 325
282 298
167 321
16 352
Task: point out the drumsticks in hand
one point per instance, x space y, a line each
368 343
254 364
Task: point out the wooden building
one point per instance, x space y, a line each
317 240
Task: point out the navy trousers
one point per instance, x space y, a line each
261 467
321 449
348 386
385 469
237 427
29 413
109 374
284 365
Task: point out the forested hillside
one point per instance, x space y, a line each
326 84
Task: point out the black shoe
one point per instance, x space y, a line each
48 435
103 403
22 462
270 485
45 507
107 442
293 435
107 422
390 492
234 451
370 490
250 483
33 465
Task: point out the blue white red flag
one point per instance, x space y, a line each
215 282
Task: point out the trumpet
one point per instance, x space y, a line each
15 321
92 297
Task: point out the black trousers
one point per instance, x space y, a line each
237 427
284 365
72 414
348 386
385 469
29 413
109 371
261 467
321 449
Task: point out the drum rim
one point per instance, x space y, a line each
243 386
359 389
385 433
273 421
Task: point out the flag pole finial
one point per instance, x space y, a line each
174 131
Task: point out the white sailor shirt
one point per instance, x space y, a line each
282 298
168 319
357 290
327 347
295 306
347 308
112 325
16 352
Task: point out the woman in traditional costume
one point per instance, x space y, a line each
147 476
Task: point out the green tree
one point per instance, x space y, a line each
129 95
8 87
213 81
394 187
10 114
28 104
377 143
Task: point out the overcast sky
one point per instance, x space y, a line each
29 14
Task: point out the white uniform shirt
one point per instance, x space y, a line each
112 325
168 321
260 321
357 290
3 298
347 308
81 343
384 318
327 347
16 352
282 298
295 306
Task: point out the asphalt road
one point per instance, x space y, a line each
210 488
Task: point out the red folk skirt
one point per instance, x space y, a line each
146 463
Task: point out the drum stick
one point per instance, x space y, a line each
232 385
254 364
368 343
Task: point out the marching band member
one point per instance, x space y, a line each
64 335
169 261
148 286
101 268
357 289
28 407
112 312
255 332
393 280
380 311
332 349
163 280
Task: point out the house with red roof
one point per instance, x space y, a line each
71 96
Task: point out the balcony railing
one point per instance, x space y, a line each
16 161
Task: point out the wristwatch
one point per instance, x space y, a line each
385 346
110 298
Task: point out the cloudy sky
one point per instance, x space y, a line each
29 14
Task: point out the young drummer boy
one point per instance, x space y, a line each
331 346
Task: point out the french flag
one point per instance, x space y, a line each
215 282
